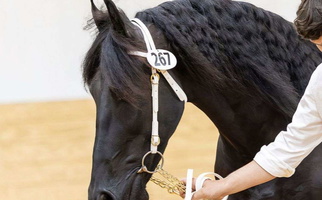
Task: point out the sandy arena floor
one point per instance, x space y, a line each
45 150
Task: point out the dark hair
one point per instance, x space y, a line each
231 44
309 19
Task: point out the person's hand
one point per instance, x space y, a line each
184 180
246 177
211 190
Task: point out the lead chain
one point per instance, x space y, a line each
171 183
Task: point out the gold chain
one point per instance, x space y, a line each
171 183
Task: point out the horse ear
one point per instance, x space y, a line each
118 22
100 18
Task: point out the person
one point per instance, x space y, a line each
303 134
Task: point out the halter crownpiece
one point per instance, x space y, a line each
159 59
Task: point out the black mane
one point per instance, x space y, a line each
230 44
251 47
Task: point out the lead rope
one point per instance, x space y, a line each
171 183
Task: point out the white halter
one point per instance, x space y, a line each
155 139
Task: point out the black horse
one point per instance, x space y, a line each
245 67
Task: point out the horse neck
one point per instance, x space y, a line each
232 113
241 120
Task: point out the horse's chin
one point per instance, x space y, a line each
139 195
138 190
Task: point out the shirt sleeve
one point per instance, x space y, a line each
303 134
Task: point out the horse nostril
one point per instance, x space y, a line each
105 196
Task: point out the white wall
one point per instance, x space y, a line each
285 8
42 45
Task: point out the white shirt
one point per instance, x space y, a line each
281 157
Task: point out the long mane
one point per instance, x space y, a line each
230 44
255 50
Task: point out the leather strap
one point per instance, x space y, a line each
155 139
146 34
189 192
175 87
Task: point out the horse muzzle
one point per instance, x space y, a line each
105 196
122 190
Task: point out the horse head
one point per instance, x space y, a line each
245 67
120 85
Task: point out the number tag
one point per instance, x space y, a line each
162 59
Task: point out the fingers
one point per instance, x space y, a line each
202 193
184 180
198 195
182 194
210 190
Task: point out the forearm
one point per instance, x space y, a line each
246 177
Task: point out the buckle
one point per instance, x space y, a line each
155 140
